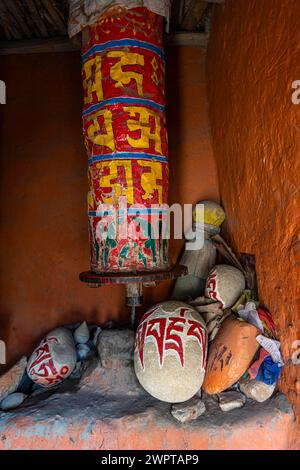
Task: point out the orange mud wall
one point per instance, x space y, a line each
43 209
252 60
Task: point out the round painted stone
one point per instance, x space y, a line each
230 354
225 284
208 212
54 358
170 351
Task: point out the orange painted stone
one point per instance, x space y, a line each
230 354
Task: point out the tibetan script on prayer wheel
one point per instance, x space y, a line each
123 72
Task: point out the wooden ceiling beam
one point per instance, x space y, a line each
15 9
37 19
55 18
64 44
193 15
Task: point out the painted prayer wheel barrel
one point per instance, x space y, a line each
123 71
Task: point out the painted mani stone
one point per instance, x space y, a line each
170 351
225 284
230 354
124 127
54 359
213 214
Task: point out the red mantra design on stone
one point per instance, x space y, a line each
212 287
166 333
43 365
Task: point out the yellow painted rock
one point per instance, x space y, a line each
230 354
170 351
213 213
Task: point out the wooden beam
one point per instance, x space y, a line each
37 19
64 44
193 15
16 12
37 46
9 24
55 18
186 39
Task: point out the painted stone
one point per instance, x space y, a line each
170 351
10 381
12 401
54 358
225 284
257 390
230 354
207 217
211 213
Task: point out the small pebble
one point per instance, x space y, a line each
81 334
230 400
12 401
189 410
82 351
257 390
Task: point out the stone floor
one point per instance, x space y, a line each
107 409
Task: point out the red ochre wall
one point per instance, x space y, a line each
43 234
252 60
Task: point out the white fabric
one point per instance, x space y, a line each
85 12
250 315
273 348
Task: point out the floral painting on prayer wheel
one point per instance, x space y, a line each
123 71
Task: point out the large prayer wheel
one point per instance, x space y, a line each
123 70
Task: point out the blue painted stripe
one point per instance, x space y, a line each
130 211
128 156
122 43
147 210
123 100
99 213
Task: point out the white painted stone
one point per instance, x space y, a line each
225 284
54 358
170 351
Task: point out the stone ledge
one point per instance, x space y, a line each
108 409
91 419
